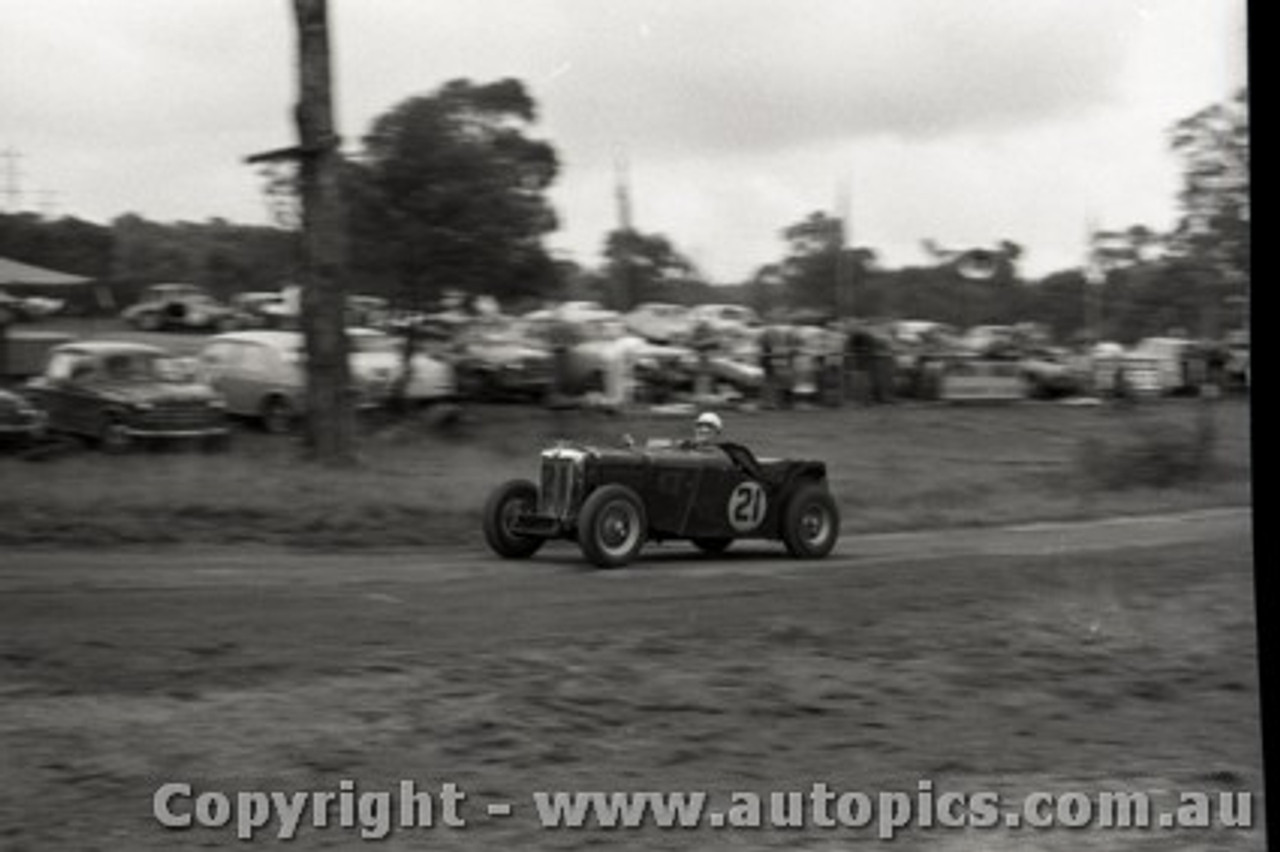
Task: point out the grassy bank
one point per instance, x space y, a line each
892 468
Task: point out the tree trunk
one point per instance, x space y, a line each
330 429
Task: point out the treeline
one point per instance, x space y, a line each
1145 298
131 252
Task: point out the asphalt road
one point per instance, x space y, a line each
1081 655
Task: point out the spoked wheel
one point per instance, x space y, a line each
612 526
505 504
811 523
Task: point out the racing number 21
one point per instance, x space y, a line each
747 506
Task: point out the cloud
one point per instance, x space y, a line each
955 119
759 74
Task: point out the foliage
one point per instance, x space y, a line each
809 270
66 245
1215 195
646 268
449 192
224 257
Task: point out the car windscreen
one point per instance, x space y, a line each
140 366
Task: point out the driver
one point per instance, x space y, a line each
706 429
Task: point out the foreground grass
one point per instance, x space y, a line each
1132 670
891 468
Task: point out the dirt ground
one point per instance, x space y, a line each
1106 656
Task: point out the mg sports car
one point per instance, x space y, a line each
612 501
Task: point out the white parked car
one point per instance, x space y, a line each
661 322
724 316
261 373
1173 357
573 312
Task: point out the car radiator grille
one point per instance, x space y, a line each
560 488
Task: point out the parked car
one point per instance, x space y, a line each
368 311
263 307
119 393
611 501
501 361
374 352
20 421
262 373
1180 365
719 317
607 354
920 333
168 307
1053 374
1237 366
29 308
991 341
661 322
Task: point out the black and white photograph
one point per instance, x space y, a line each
628 424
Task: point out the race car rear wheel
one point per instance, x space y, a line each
810 523
507 502
612 526
712 545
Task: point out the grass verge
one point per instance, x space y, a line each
891 468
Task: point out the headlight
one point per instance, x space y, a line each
142 406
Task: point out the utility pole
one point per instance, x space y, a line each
627 231
330 409
843 301
1094 277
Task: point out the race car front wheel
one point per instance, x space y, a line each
811 523
505 504
612 526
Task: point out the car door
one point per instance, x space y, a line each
219 368
264 372
67 393
672 487
728 504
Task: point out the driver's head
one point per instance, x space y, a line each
708 426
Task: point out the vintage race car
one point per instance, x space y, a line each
611 501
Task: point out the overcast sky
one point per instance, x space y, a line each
962 121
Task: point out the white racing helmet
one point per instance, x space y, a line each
710 418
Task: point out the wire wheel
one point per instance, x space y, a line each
507 502
612 526
811 523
